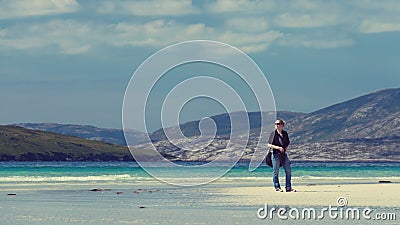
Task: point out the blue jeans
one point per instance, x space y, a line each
276 163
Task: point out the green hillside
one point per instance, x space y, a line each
21 144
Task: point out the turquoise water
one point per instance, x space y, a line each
130 171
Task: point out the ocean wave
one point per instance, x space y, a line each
120 177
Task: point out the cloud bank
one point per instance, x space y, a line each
72 27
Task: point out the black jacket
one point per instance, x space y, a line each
274 140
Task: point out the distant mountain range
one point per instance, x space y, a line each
113 136
223 124
363 128
376 115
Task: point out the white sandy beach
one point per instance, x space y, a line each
381 195
216 203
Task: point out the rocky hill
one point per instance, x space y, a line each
20 144
375 115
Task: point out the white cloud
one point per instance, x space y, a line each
315 41
310 6
19 8
160 33
386 6
232 6
3 32
376 16
249 42
148 8
371 26
155 33
68 36
74 37
247 24
305 20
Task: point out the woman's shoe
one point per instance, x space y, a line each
291 190
278 190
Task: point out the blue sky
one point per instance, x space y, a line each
70 61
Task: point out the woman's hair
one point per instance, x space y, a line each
281 121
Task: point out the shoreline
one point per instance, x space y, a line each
207 161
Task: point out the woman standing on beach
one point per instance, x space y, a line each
278 142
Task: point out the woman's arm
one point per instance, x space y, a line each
281 149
